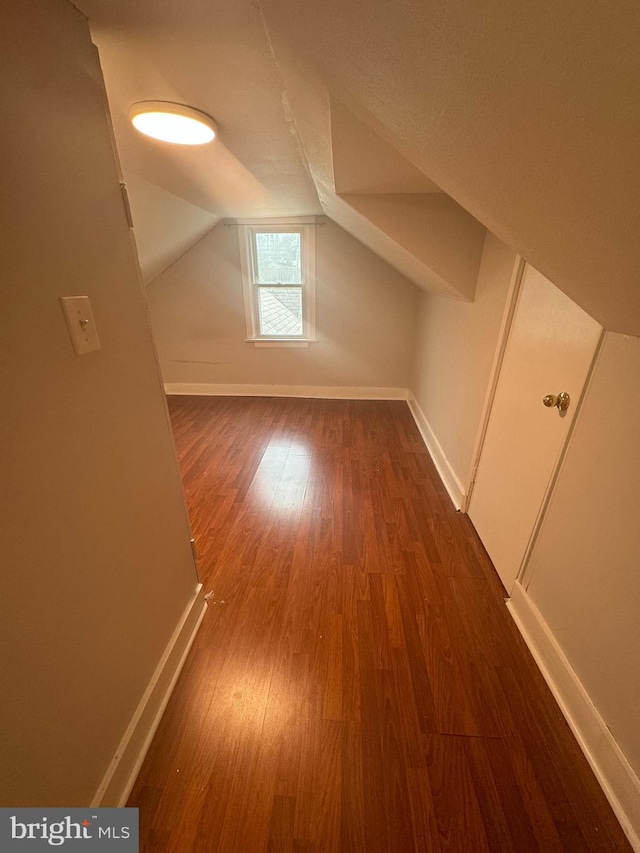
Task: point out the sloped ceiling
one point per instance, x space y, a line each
523 116
220 58
216 57
363 162
525 113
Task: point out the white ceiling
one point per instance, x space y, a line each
523 117
219 58
214 56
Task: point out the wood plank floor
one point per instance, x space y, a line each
357 684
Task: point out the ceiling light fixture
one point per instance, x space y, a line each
172 122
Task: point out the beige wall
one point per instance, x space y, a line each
165 225
583 575
365 316
95 555
364 163
455 347
433 229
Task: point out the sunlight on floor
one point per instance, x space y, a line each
280 482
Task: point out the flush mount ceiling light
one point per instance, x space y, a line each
172 122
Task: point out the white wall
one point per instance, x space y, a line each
584 571
455 347
365 318
95 555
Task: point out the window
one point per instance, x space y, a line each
278 262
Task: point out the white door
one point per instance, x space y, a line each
550 349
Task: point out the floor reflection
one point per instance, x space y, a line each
280 482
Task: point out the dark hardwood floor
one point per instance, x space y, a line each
357 683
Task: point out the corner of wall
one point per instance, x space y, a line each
121 774
448 476
612 770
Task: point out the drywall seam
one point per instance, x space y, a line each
448 476
612 770
121 774
330 392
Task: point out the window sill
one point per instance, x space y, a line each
281 342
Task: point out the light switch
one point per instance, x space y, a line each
82 329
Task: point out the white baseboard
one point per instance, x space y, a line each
119 779
614 773
324 392
448 476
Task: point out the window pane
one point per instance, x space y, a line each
280 310
278 258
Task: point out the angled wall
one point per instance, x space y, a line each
432 229
397 212
523 113
165 225
364 162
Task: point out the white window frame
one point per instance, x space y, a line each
247 229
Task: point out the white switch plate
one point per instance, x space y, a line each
82 329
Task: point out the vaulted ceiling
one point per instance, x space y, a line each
412 123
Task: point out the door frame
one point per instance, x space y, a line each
503 336
524 576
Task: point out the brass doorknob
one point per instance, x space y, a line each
561 401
